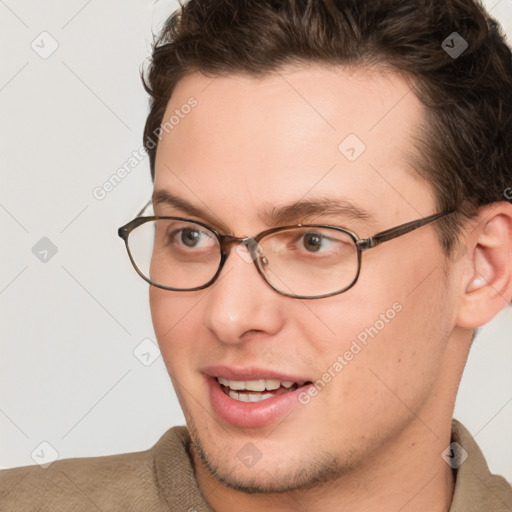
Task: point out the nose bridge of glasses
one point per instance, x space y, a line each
252 245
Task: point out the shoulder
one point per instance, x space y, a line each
127 481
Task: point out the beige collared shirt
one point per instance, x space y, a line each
476 489
162 479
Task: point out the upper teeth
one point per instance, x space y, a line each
255 385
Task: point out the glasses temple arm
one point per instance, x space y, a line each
144 207
395 232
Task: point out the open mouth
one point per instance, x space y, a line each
257 390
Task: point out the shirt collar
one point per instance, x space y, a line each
476 489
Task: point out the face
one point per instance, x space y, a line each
252 147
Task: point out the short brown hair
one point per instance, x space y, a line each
465 148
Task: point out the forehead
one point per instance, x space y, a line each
305 131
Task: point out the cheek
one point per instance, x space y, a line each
176 321
383 339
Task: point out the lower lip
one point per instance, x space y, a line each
251 414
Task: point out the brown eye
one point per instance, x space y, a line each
190 237
313 241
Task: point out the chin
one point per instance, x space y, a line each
263 469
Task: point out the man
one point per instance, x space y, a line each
331 225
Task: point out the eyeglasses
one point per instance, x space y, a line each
305 261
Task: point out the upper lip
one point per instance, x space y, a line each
250 373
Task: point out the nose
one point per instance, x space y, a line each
241 303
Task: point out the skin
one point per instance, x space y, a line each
372 438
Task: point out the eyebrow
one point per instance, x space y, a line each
162 197
307 209
293 213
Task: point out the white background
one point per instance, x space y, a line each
68 374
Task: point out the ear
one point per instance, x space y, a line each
486 284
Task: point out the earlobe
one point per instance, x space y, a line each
487 281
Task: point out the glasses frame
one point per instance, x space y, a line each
227 241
